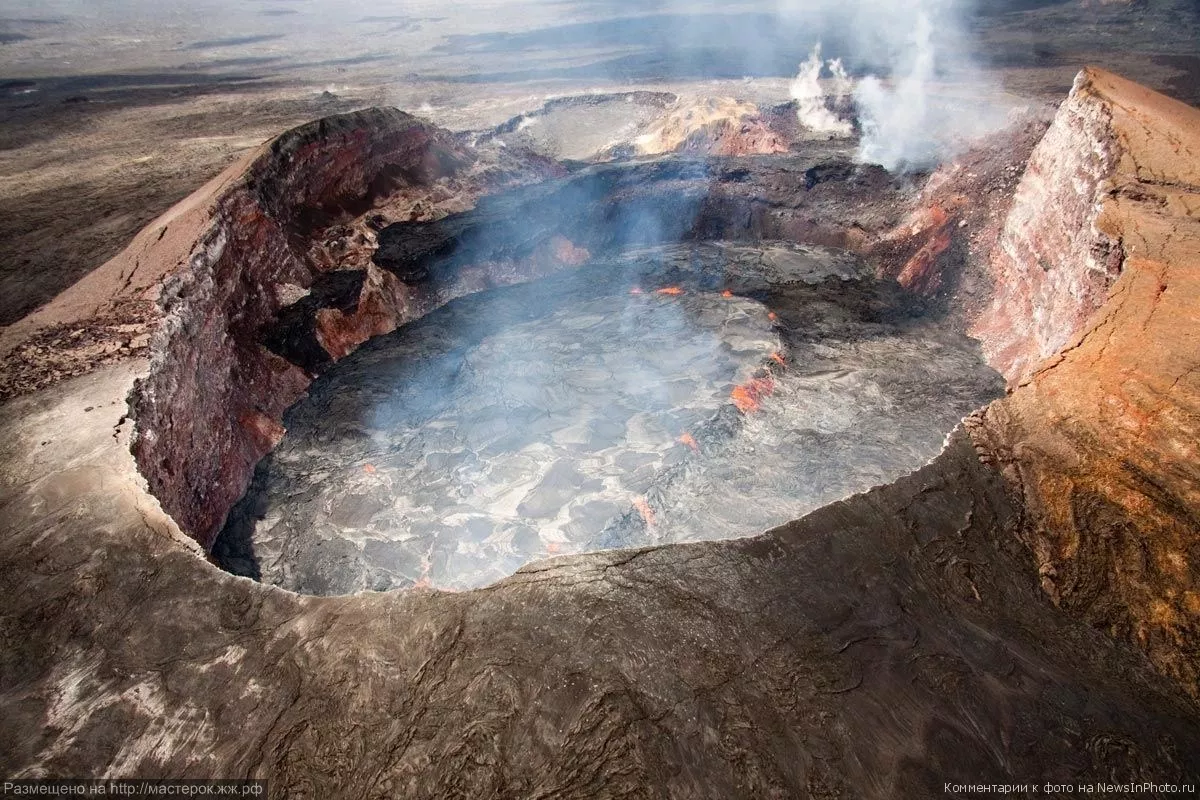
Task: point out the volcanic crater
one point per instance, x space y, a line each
379 355
591 356
674 393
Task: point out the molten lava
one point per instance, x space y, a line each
748 396
727 293
671 290
690 441
778 359
643 508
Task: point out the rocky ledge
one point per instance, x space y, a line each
1022 608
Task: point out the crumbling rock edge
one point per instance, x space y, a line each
877 648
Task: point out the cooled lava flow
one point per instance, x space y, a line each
568 414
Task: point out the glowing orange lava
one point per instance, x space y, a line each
369 469
690 441
727 293
771 315
671 290
778 358
645 510
748 397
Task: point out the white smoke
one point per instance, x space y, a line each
812 101
924 96
897 124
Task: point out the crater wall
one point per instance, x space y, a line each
1055 261
210 405
283 276
1099 440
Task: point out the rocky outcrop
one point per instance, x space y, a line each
718 126
1100 439
941 250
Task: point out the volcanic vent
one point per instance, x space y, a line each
613 356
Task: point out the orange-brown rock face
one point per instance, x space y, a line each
382 304
941 248
1102 440
1053 265
208 410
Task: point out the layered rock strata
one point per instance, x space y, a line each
210 407
1100 440
1055 262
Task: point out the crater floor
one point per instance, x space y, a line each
633 402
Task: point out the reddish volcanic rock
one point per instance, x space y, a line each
382 304
1082 440
566 252
199 412
221 266
1101 441
940 249
1053 266
919 273
736 137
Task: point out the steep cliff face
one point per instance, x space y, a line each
209 408
1101 441
1054 264
941 248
